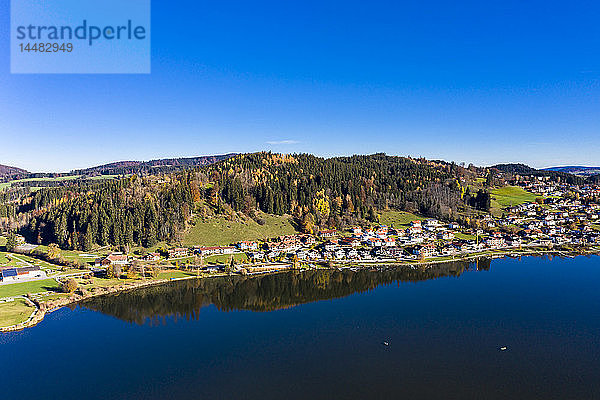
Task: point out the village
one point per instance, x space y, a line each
554 223
527 215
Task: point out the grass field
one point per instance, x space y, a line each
84 257
14 312
60 178
464 236
175 274
398 218
224 258
99 282
95 282
511 196
17 289
16 260
48 179
220 232
100 177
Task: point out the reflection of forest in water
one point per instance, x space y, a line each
261 293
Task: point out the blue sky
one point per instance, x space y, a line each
480 81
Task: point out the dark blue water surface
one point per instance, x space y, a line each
319 335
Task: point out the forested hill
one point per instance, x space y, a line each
123 212
11 172
318 192
334 191
522 169
152 167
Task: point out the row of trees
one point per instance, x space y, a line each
482 200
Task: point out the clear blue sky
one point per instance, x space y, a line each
479 81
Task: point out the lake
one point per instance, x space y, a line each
322 335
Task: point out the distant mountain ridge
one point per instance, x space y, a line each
576 170
159 165
515 168
165 165
565 176
11 172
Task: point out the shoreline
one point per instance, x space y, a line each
43 308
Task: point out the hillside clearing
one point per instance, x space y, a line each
398 218
509 196
220 231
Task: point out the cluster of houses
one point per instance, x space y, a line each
182 252
546 187
118 258
112 259
376 243
559 221
533 226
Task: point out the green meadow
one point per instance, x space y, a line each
14 312
512 196
20 289
398 218
219 231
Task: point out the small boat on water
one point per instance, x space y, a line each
503 348
385 343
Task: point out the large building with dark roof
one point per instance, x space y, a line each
14 274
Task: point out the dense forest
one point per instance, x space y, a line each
334 191
131 211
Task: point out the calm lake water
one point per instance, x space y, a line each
319 335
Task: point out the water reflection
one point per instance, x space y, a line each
185 299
